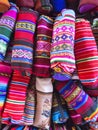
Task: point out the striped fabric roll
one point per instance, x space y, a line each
42 65
29 111
22 51
59 111
5 73
78 100
7 23
62 48
86 55
16 98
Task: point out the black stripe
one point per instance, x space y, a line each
21 42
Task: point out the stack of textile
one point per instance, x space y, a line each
49 65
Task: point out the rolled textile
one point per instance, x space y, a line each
44 92
5 74
4 6
62 48
16 98
58 5
87 5
7 23
78 100
43 6
86 55
22 51
42 66
29 110
25 3
59 110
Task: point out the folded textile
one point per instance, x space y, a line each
59 110
4 6
58 5
7 23
25 3
78 100
22 51
43 6
44 90
5 74
42 67
16 98
86 55
62 47
87 5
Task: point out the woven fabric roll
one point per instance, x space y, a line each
42 67
7 23
16 98
25 3
22 51
4 6
43 6
29 111
95 32
58 5
86 55
59 111
44 91
62 48
5 74
78 100
87 5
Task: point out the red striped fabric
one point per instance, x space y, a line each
15 103
86 55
